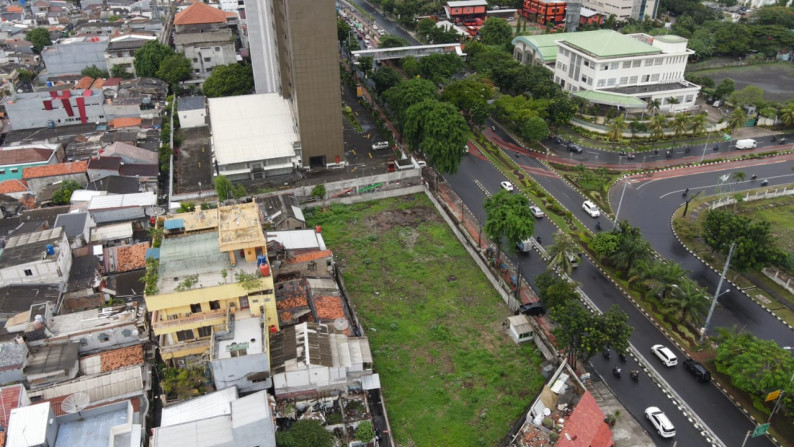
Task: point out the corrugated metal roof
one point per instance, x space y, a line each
105 386
28 425
112 232
123 200
251 409
200 408
370 382
204 433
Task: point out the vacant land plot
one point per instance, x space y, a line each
774 79
780 213
450 375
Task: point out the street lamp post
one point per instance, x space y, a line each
620 202
708 137
717 293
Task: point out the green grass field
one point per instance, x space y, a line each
450 375
780 213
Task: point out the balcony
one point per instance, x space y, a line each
192 321
183 349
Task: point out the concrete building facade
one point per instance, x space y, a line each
624 9
202 34
72 55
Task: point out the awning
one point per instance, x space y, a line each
370 382
611 99
174 224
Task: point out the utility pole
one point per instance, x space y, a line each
615 222
717 292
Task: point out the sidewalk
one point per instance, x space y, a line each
627 430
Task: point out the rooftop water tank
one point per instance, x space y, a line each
50 250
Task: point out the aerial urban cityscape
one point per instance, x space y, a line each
396 223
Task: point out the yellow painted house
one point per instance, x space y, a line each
210 273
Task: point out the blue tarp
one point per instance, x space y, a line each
174 224
152 253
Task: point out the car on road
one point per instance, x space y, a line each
380 145
574 148
660 422
591 208
537 212
507 186
532 309
698 370
665 355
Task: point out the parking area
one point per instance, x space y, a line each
359 141
194 166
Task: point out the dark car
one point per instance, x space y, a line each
574 148
532 309
698 370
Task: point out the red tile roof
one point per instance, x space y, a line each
98 83
84 82
8 186
310 256
131 257
124 122
586 426
12 8
200 13
9 399
74 167
112 82
20 156
328 307
121 358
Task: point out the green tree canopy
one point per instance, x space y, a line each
174 69
554 291
496 32
750 95
229 80
149 57
471 96
305 433
40 38
576 331
94 72
342 30
365 432
385 78
439 131
389 41
63 194
228 190
614 324
534 129
605 243
439 68
407 93
120 71
507 216
774 15
755 244
724 88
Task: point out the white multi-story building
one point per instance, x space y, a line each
606 67
624 9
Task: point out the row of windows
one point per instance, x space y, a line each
188 334
14 171
196 308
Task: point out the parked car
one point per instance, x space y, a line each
380 145
532 309
665 355
698 370
660 422
537 212
507 186
591 208
574 148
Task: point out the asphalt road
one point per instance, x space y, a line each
735 308
475 176
382 21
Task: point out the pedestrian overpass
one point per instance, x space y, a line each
382 54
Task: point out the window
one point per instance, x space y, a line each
28 272
14 170
658 61
238 353
645 78
614 65
601 82
627 64
258 376
207 59
83 342
126 333
103 337
689 98
205 331
2 171
633 80
215 305
655 77
611 82
623 80
648 62
605 67
586 63
195 308
217 48
195 59
185 335
636 63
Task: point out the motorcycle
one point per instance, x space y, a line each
631 155
753 177
764 182
635 375
774 138
669 154
598 225
687 149
622 356
623 153
716 147
684 194
616 372
538 239
606 354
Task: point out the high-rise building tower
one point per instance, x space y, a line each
294 52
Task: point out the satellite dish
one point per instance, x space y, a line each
154 211
75 402
340 324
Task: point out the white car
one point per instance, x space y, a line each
537 212
591 208
507 186
665 355
660 422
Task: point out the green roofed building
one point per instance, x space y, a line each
627 70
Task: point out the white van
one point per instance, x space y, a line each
748 143
380 145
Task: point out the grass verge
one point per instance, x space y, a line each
450 374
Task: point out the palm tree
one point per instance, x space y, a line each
631 251
737 118
786 115
562 252
616 129
688 302
739 176
672 101
658 123
679 124
653 106
663 279
697 124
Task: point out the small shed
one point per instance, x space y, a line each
520 328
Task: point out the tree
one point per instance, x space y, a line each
365 64
737 118
739 176
365 432
697 125
120 71
149 57
750 95
755 244
439 131
534 129
26 76
174 69
40 38
774 15
496 32
561 109
303 433
507 216
577 332
439 68
471 96
389 41
687 302
614 324
227 190
724 88
616 128
385 78
631 249
562 252
786 114
342 30
94 72
680 124
605 243
407 93
661 278
410 66
658 123
553 290
63 195
229 80
654 105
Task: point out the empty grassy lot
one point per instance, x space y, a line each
774 79
779 212
450 375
